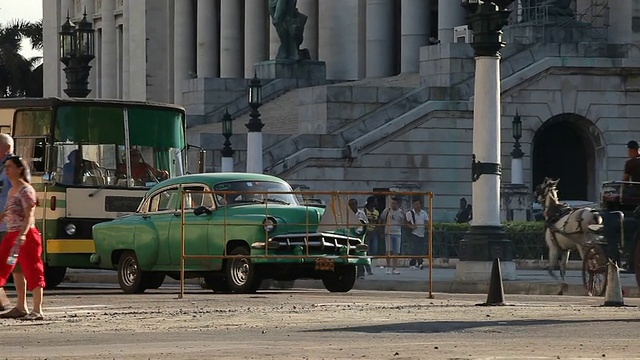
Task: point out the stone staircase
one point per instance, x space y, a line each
287 148
520 66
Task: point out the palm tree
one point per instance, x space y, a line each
19 76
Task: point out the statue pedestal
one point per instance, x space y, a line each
515 203
290 69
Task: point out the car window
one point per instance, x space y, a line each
165 200
195 197
246 192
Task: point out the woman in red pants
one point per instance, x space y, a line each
19 213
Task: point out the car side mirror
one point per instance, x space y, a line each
201 210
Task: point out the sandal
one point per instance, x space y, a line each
14 313
33 316
5 306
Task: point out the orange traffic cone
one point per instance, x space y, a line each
496 289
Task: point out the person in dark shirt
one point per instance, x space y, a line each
632 166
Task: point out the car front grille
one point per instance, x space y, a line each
316 241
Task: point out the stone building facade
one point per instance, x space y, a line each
394 111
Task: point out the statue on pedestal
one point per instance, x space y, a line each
289 24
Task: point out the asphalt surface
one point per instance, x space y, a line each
104 323
530 281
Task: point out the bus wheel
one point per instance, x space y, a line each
54 275
132 280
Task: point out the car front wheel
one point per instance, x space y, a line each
241 273
341 279
132 280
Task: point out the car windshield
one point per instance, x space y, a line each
249 192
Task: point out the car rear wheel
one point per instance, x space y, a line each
241 274
155 280
54 275
341 279
132 280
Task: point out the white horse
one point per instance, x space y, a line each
566 228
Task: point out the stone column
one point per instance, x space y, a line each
231 45
256 33
126 57
516 171
620 16
450 15
339 38
485 240
414 30
379 46
310 41
66 9
183 51
51 48
486 139
109 69
90 7
137 45
208 47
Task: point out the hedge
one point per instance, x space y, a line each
527 237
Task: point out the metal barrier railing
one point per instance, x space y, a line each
343 225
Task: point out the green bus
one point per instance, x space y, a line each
80 156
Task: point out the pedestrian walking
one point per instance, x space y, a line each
417 220
393 219
19 214
6 150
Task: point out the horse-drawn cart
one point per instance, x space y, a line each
610 232
620 201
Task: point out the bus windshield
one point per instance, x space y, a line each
98 145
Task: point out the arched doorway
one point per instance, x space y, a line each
568 146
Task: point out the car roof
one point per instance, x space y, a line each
216 178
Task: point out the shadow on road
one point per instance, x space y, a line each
454 326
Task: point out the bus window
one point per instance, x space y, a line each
89 145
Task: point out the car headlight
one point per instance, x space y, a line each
70 229
269 224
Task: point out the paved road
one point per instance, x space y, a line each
529 282
314 324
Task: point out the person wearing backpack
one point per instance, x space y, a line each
417 221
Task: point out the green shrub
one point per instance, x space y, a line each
527 238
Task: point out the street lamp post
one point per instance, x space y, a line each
227 151
76 52
255 125
516 153
485 239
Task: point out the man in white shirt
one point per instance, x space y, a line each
393 219
418 221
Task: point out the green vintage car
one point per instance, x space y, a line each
252 217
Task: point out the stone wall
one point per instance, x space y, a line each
323 109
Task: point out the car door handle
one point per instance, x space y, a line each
145 216
177 213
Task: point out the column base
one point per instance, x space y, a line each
485 243
290 69
481 270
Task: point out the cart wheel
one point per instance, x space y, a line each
594 271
